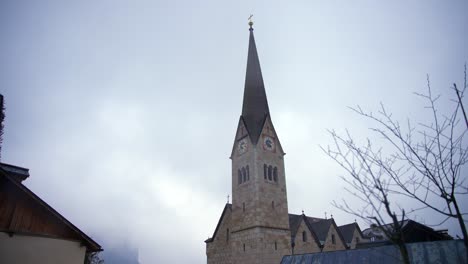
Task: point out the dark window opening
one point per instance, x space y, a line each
243 207
248 173
275 174
239 176
244 247
269 172
273 204
265 171
276 246
244 175
333 239
304 236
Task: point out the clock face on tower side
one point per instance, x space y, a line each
268 143
242 146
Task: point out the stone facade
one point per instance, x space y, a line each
259 201
219 249
305 241
333 241
255 229
357 238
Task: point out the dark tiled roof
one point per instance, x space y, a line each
320 228
347 231
255 105
388 227
412 232
294 222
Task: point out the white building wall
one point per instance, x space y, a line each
22 249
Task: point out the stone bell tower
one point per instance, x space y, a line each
259 219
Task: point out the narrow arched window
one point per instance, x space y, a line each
244 247
275 174
243 207
333 239
273 204
265 168
244 175
248 173
239 176
304 236
276 246
270 172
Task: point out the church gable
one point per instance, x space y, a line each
223 222
356 238
304 239
241 141
218 247
352 234
269 139
334 240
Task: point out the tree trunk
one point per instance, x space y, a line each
404 253
462 226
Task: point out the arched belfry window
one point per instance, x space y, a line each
239 176
270 172
304 236
265 168
244 175
275 174
248 173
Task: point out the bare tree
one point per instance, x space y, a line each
425 164
370 184
93 258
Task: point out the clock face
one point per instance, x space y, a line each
242 146
269 143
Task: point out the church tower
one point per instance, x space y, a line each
259 221
255 227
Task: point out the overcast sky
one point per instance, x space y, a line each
125 111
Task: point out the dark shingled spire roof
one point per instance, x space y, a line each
255 106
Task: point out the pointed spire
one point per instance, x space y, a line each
255 105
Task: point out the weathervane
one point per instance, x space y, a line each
228 198
250 20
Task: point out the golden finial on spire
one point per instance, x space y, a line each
250 20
